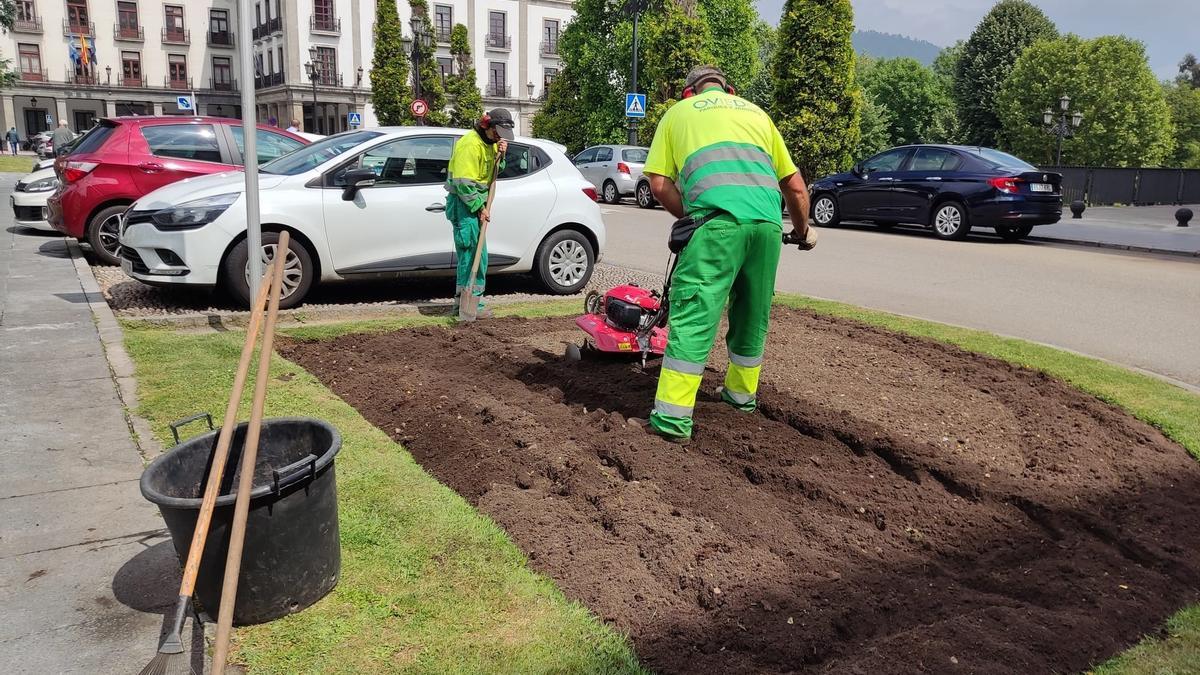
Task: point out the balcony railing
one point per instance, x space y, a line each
271 80
34 76
71 28
329 79
497 41
325 24
177 36
269 27
175 83
131 33
550 48
133 81
30 25
442 35
495 90
220 39
82 79
222 85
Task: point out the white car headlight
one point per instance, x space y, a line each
43 184
194 214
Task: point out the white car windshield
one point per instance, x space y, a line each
312 156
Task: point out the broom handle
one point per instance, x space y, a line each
241 509
483 228
200 535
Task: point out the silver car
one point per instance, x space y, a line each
613 169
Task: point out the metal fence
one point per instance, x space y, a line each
1099 186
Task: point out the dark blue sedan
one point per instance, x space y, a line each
950 188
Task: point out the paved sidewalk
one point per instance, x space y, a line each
86 567
1151 228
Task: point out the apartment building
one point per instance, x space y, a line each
81 59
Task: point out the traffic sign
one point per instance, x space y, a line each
635 105
184 102
419 107
49 119
354 120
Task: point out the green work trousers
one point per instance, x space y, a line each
466 238
724 262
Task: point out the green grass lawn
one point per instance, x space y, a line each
430 585
18 164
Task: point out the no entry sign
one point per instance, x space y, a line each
419 107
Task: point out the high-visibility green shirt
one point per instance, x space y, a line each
723 152
470 170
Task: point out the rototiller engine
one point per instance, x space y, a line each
627 319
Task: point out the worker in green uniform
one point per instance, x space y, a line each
471 164
719 159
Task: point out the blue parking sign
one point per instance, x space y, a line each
635 105
354 120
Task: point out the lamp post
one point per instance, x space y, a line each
421 38
1062 123
635 6
313 75
108 75
529 86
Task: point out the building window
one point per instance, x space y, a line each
326 65
131 68
222 73
497 79
548 75
25 11
279 60
127 19
497 30
257 14
323 15
446 65
550 36
218 23
443 22
270 62
173 23
77 16
177 71
30 58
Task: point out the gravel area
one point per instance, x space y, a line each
132 299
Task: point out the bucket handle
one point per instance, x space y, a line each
188 420
294 473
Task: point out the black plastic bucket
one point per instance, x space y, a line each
292 554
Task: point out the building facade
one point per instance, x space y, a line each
77 60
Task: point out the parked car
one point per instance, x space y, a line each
946 187
40 144
366 204
613 169
124 158
28 198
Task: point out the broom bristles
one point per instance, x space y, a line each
169 664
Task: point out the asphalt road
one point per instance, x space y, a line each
1138 310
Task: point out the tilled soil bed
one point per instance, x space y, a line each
896 505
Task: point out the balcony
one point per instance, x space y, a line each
81 79
129 33
495 90
442 35
550 48
220 39
325 24
329 79
270 27
34 76
32 24
177 83
498 42
76 28
176 36
271 80
133 81
222 85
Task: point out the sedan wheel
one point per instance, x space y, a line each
610 193
293 268
825 211
104 235
645 198
950 221
298 270
564 262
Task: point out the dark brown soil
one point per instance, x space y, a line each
896 506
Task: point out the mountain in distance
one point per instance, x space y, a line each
889 46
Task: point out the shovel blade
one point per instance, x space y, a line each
468 306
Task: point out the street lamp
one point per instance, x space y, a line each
108 74
422 38
1061 124
312 67
358 80
529 85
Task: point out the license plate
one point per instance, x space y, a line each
1041 187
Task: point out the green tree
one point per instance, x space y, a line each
1189 71
563 116
461 86
988 57
8 14
674 42
1126 120
874 126
761 89
944 68
1184 101
734 25
817 98
429 73
390 94
914 96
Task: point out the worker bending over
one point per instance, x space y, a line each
719 159
471 164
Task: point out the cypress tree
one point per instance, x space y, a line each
390 94
468 102
430 73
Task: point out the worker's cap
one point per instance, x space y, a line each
502 122
701 74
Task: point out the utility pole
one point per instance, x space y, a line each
636 6
250 145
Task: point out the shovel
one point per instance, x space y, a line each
468 306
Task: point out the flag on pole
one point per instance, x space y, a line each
83 41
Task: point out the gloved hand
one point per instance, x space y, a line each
806 243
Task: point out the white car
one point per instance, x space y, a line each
29 197
366 204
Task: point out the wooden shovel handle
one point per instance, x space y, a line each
241 509
217 471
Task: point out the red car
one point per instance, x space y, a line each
123 158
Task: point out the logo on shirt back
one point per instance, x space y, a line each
719 102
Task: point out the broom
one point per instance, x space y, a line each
167 661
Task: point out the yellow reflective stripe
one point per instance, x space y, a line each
742 380
678 389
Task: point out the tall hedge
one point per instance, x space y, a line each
430 73
390 94
817 98
461 86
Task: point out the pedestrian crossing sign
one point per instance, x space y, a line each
635 105
354 120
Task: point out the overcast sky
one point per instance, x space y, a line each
1169 28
